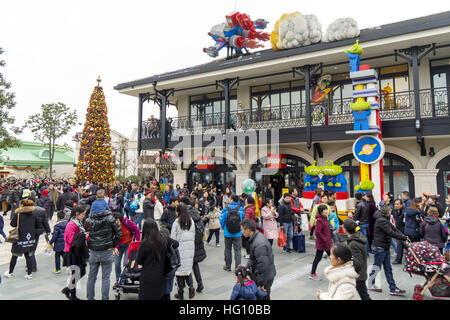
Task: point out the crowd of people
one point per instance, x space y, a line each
96 224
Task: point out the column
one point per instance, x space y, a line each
425 180
179 177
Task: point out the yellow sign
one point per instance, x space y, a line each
367 149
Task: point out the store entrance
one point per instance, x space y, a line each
221 176
443 179
290 177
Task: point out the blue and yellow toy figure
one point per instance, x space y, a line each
337 179
353 54
312 178
326 178
361 112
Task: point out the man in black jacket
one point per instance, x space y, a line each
384 231
61 202
361 216
14 199
44 227
169 215
261 257
399 216
104 235
287 218
148 206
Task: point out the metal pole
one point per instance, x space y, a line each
415 65
307 75
139 144
163 121
226 93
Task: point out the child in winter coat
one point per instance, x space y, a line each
342 275
214 224
245 288
433 231
57 240
334 222
323 238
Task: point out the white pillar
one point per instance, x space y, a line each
241 176
425 180
179 177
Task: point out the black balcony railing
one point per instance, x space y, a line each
434 103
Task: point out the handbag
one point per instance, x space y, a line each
173 260
13 236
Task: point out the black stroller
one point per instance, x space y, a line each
130 272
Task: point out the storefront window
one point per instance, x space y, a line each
209 108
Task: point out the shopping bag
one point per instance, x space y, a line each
281 238
48 249
305 225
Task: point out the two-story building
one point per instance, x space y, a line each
261 97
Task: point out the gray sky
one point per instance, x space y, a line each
55 50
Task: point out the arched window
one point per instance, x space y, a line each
443 178
397 173
221 176
44 154
290 177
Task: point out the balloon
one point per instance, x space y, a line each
249 186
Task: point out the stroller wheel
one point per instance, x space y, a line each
418 289
417 296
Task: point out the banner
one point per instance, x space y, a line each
204 162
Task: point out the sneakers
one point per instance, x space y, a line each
374 288
200 288
312 237
314 277
56 271
28 277
8 275
325 256
217 245
226 268
397 262
179 296
191 293
246 256
397 292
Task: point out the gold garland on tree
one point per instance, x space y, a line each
95 163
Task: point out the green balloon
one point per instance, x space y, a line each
249 186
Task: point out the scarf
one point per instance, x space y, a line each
79 225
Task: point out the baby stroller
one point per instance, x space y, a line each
131 273
426 260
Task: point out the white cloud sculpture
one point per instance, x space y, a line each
340 29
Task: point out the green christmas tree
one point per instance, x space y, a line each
95 163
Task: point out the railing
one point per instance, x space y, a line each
434 103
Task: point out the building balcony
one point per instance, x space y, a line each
434 104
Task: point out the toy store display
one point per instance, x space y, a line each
237 34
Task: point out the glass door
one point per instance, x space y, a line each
441 90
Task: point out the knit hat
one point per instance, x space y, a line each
45 192
26 193
350 225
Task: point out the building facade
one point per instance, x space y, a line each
261 103
31 160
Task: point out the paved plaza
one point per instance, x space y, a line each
291 282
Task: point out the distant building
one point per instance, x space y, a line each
31 160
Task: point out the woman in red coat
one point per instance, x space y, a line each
323 239
250 213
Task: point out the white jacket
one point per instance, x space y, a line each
158 211
186 247
342 283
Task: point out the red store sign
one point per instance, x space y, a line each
204 162
277 161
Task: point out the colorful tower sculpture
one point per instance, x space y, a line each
368 148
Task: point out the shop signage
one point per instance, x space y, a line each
368 149
277 161
204 162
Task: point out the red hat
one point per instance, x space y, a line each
147 192
45 192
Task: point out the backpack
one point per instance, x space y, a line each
199 230
233 220
126 233
134 205
113 205
173 260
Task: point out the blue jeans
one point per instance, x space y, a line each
289 230
382 258
364 228
394 245
97 259
139 219
169 285
58 256
123 253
